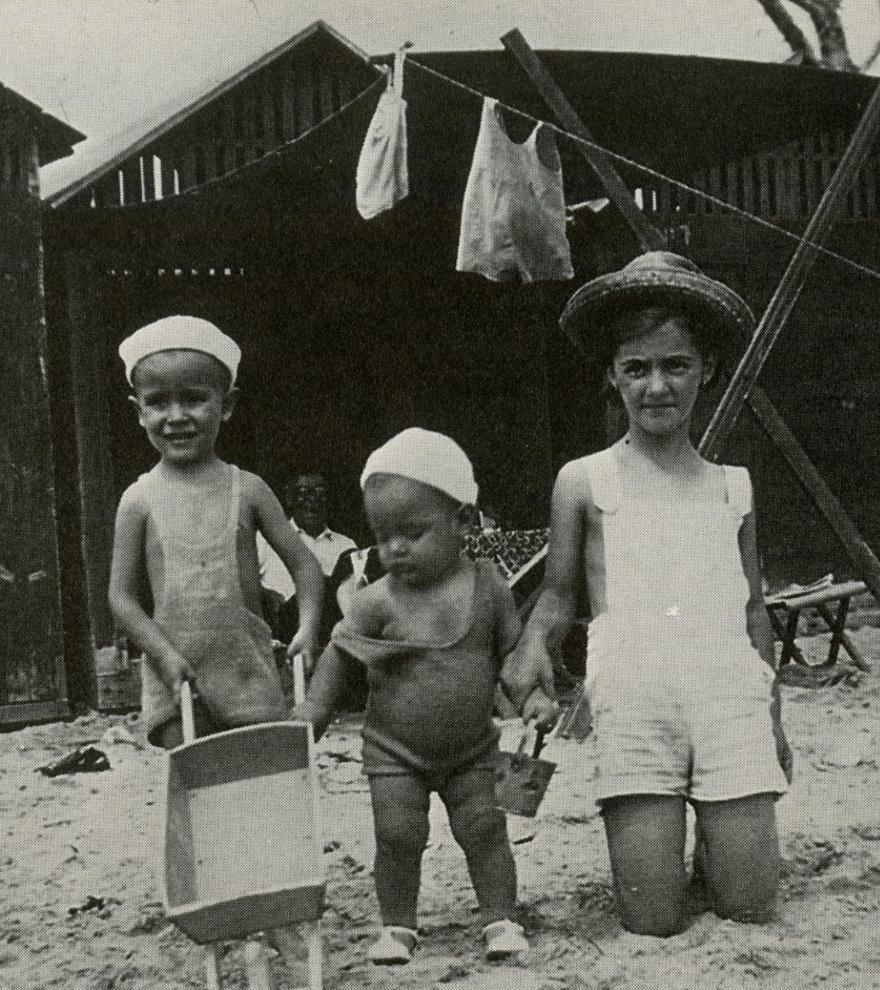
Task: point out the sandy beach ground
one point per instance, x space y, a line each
80 905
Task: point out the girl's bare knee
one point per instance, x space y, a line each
755 913
750 903
659 920
743 863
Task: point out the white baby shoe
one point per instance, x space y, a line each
394 946
504 938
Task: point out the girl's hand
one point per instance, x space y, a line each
541 710
528 667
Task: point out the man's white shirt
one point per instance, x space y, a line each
327 547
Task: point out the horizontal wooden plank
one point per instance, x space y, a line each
809 599
30 712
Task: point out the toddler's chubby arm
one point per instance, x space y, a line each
128 579
538 707
761 634
364 616
297 558
324 690
529 665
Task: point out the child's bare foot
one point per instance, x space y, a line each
504 938
394 946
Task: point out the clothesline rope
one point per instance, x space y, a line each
280 149
641 167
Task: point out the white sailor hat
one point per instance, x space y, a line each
180 333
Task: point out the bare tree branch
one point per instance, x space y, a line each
872 58
833 48
796 38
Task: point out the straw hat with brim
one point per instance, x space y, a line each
657 278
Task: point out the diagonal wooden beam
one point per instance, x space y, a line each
864 560
789 289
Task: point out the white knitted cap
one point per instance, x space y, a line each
431 458
180 333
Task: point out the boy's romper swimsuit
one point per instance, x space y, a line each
201 609
428 726
680 697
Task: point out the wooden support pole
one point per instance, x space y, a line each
786 295
648 236
92 426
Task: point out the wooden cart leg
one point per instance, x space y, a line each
316 954
256 966
212 967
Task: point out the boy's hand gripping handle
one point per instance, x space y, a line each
186 697
186 712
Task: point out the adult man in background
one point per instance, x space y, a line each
306 499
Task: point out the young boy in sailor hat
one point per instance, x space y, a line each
432 633
184 582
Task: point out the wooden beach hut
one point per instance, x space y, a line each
352 329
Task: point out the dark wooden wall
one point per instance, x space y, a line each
32 676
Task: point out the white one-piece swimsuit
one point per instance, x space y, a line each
680 697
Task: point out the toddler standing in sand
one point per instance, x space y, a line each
184 582
432 633
681 655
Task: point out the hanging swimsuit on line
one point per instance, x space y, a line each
680 697
513 216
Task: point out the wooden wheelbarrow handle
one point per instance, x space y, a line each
298 666
187 717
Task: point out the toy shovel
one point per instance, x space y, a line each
521 780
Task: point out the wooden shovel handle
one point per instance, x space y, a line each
540 736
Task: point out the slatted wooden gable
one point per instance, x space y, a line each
271 102
783 183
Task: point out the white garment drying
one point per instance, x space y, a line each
382 170
513 217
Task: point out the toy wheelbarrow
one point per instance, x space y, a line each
521 780
243 852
